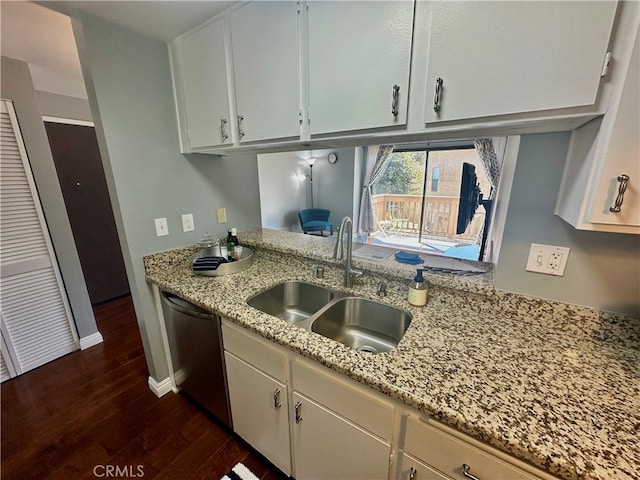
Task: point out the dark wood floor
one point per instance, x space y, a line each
73 417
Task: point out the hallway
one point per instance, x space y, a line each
74 417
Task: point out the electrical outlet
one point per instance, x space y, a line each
187 222
222 215
162 229
547 259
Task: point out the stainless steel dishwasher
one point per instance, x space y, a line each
195 341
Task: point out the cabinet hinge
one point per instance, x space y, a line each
298 6
605 66
300 116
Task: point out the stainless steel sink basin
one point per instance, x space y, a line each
362 324
292 301
359 323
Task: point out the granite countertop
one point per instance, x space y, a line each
552 384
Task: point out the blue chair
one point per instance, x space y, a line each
315 220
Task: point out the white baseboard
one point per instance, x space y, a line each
91 340
160 388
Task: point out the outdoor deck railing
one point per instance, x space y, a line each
403 213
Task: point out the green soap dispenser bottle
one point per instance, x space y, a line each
418 290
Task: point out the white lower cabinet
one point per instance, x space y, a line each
327 446
446 453
260 411
339 431
258 393
315 424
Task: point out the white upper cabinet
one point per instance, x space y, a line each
264 40
600 187
499 58
200 73
622 158
359 52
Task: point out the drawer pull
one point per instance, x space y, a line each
298 412
617 206
465 472
276 400
394 100
436 100
412 473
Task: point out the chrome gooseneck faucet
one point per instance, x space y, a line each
346 227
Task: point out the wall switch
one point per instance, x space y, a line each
162 229
222 215
547 259
187 222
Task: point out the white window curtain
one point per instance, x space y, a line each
377 156
491 152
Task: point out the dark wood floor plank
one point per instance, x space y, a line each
93 409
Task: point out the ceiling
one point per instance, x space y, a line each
41 35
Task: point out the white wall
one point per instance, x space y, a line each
283 194
603 270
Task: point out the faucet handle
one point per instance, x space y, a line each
319 271
382 289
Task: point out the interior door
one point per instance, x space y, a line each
84 188
35 317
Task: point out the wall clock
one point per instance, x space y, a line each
332 158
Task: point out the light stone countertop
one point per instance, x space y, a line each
552 384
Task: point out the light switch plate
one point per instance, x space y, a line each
547 259
162 229
187 222
222 215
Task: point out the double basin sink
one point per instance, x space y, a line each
359 323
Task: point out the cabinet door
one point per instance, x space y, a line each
326 446
259 410
448 454
264 41
203 73
358 51
622 155
497 58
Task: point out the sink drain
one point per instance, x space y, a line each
367 348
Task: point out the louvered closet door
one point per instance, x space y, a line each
35 318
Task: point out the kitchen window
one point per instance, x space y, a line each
417 201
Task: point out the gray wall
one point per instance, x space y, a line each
282 194
55 105
130 93
603 270
16 85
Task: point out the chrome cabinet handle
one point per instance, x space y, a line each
412 473
465 472
436 100
617 206
276 400
394 101
223 123
240 131
298 412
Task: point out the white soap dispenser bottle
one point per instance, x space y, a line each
418 290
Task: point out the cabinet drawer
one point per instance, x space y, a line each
359 407
254 351
447 454
413 469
